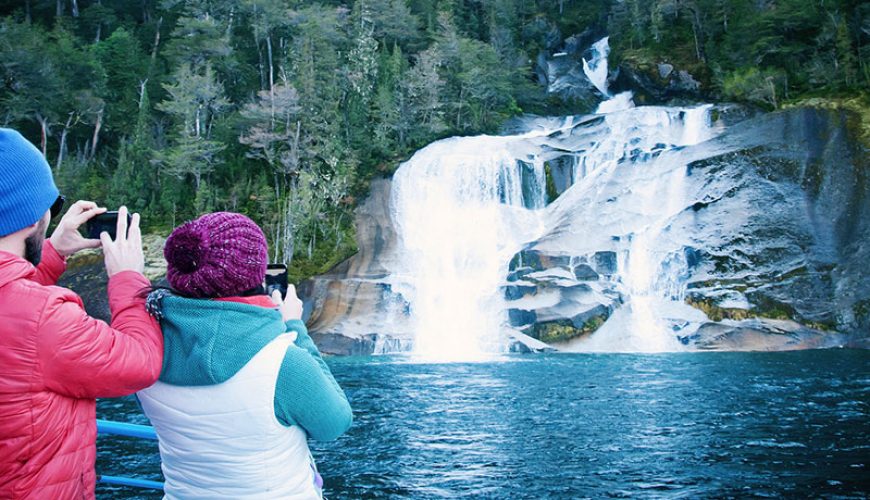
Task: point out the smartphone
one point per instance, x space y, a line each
276 279
107 222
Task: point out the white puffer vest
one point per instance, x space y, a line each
224 441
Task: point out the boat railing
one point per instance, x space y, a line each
108 427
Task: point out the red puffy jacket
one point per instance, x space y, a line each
54 360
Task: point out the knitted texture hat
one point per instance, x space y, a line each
27 189
217 255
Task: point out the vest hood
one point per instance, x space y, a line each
208 341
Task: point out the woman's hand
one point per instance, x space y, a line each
125 253
290 307
66 238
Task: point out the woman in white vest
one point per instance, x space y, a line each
242 385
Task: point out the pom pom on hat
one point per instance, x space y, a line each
221 254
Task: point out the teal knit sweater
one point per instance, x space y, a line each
206 342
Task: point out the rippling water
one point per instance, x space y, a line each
688 425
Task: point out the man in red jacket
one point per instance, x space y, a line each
54 358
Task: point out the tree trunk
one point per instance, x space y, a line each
59 9
75 8
696 32
62 149
142 92
97 127
260 64
43 142
459 108
271 82
27 16
156 44
271 65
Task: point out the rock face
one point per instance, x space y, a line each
560 70
353 308
774 225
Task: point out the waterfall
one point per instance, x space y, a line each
463 207
460 208
650 270
596 68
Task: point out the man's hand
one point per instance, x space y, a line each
291 306
66 238
125 253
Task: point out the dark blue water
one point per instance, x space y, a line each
694 425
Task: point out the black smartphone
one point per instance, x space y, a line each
107 222
276 279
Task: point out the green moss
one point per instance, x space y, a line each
562 330
767 308
552 193
716 313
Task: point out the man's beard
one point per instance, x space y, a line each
33 244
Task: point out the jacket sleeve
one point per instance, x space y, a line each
307 394
85 358
50 267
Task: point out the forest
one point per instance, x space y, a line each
284 110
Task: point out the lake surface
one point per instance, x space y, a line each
688 425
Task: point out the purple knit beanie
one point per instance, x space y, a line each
217 255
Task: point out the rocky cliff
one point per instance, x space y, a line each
771 236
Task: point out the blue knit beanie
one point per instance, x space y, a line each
27 189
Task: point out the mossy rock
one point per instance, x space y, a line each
564 329
763 308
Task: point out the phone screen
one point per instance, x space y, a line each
106 222
276 279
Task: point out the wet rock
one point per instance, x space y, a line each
519 342
520 317
560 172
763 335
342 345
656 83
584 272
514 292
605 262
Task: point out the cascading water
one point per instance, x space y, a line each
459 207
596 68
463 207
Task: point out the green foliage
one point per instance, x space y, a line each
764 52
753 85
285 110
